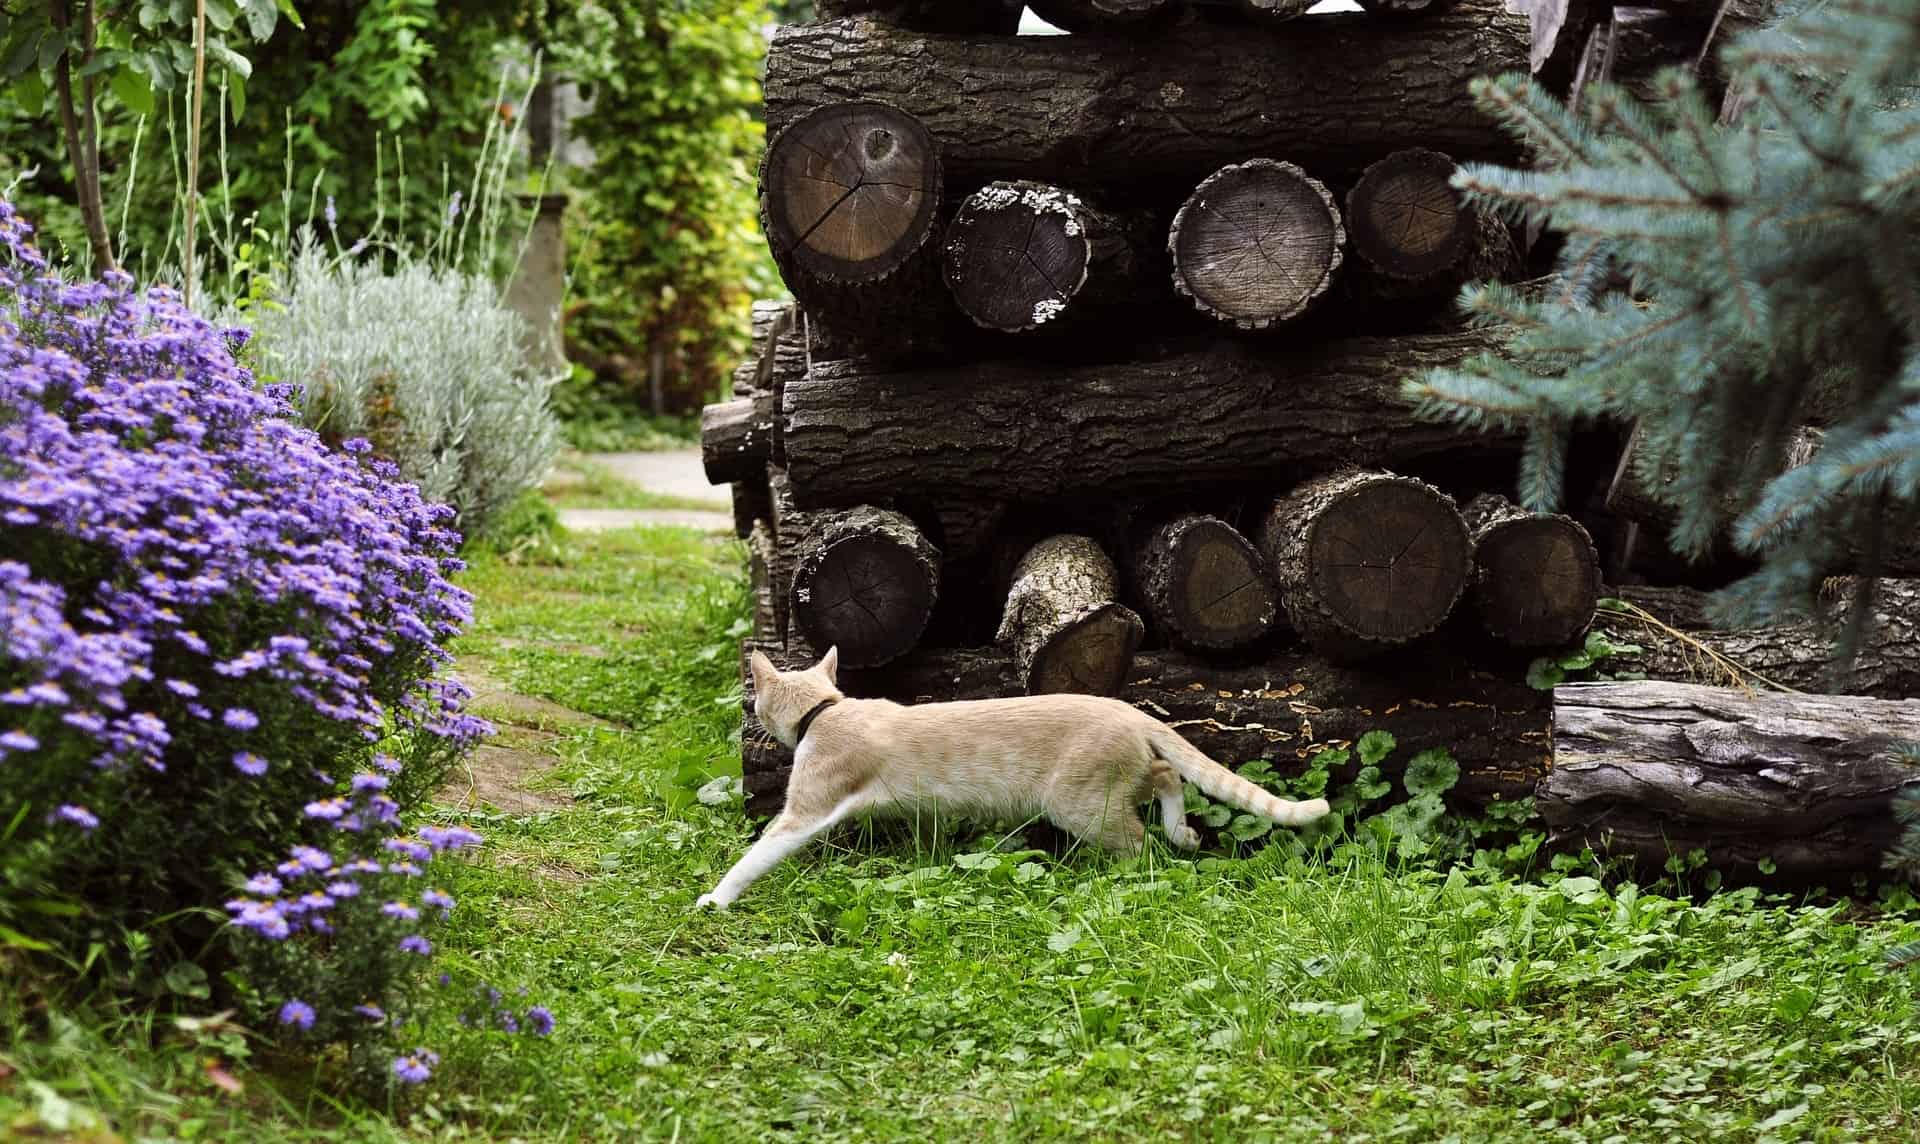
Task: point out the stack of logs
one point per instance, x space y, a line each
1093 384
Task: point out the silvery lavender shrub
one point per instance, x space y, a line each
423 362
219 640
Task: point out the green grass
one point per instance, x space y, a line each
904 983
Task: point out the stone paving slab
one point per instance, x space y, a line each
609 519
669 472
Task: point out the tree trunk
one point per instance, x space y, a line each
1797 655
1139 16
985 17
736 437
1536 577
86 177
760 560
1204 585
1792 786
1026 256
1331 94
1032 431
1064 622
1255 243
849 196
864 581
1285 708
1366 561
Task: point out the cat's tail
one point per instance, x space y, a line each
1222 784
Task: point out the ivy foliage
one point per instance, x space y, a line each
670 254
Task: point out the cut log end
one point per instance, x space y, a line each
866 583
1536 577
1064 622
1407 220
850 191
1016 255
1256 242
1367 560
1207 585
1089 655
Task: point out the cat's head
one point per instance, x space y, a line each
782 698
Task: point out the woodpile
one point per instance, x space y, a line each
1092 382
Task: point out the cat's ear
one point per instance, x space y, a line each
830 663
763 670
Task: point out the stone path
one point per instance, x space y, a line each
672 472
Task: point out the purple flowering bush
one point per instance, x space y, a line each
218 647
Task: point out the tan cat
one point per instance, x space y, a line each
1084 762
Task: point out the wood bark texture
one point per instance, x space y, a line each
1105 15
1366 560
777 350
987 17
736 437
1023 255
1798 655
1105 112
1063 620
1032 431
1285 708
752 503
1404 9
1271 11
1205 585
865 581
1256 243
1640 492
1801 782
1536 576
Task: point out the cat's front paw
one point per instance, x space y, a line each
1183 836
714 900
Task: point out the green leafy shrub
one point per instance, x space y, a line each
672 255
422 362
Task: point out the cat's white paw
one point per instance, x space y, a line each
1183 836
714 900
1314 808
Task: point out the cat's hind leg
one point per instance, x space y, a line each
1172 797
791 830
1114 827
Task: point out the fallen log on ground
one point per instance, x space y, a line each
1793 787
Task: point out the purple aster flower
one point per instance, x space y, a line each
248 763
539 1021
18 741
315 860
400 910
438 899
367 780
80 816
370 1012
414 943
415 1066
240 719
344 889
449 837
386 763
406 869
508 1021
412 849
297 1013
328 809
263 884
182 688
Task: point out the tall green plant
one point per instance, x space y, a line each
672 255
65 53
